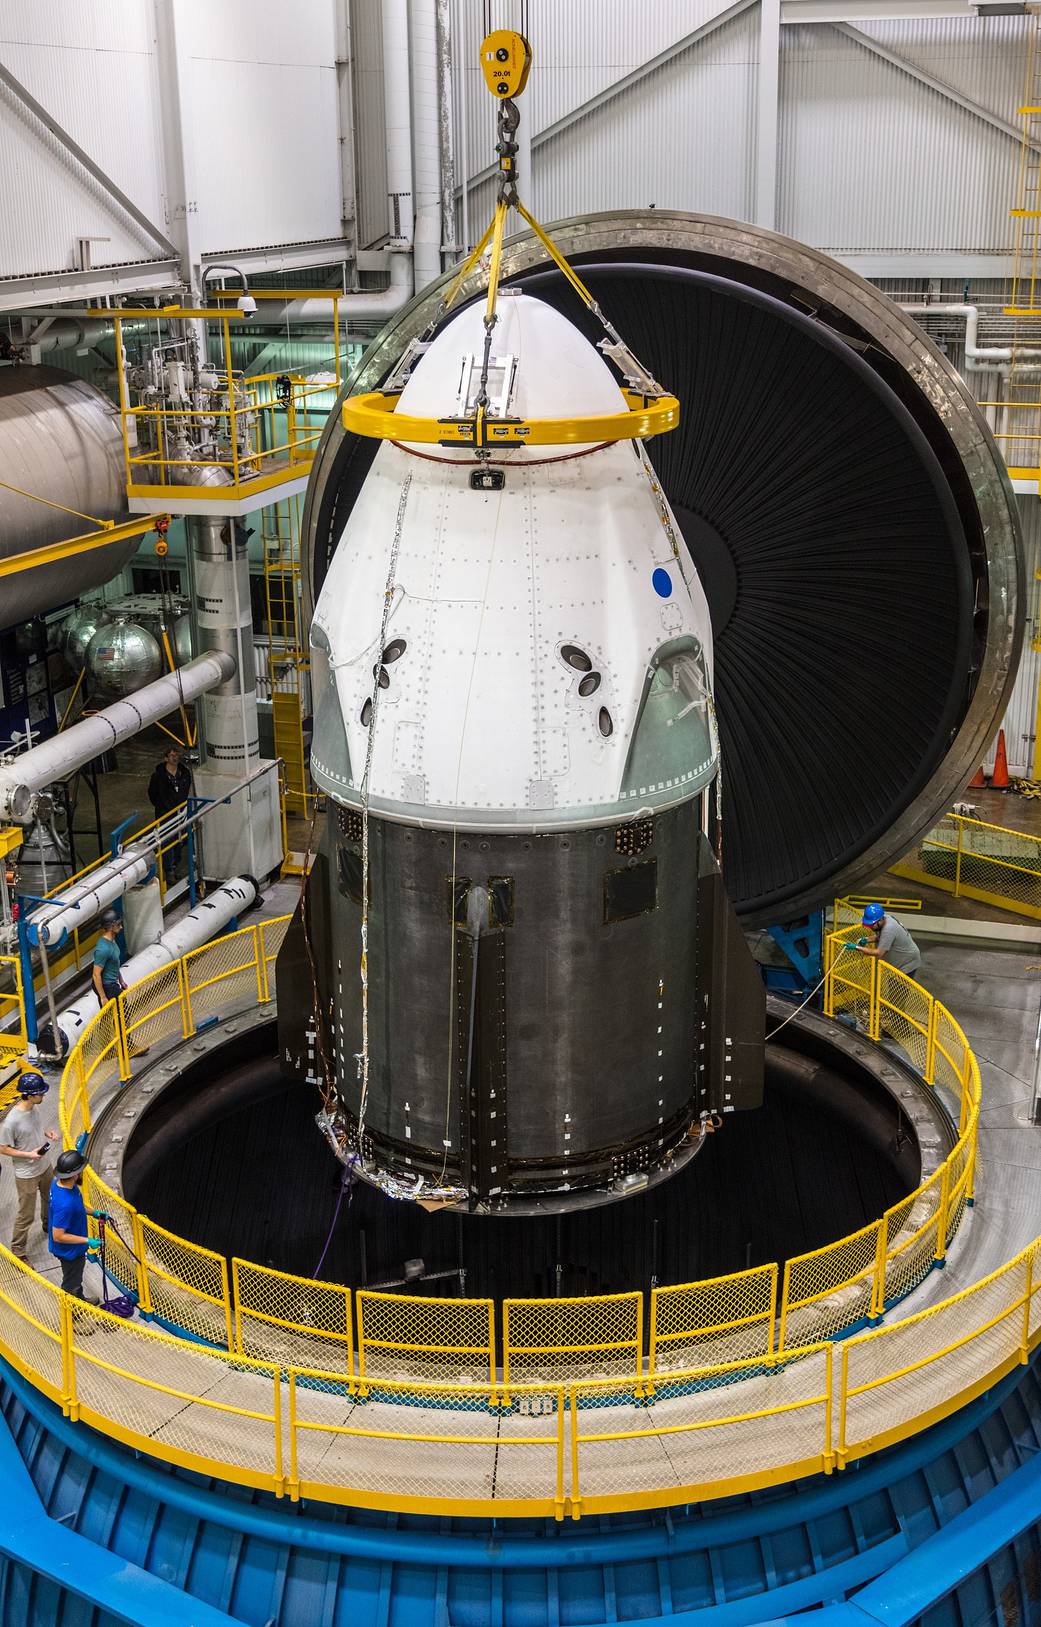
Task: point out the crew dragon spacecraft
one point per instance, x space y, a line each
515 977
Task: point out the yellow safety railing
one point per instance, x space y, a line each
397 1402
972 859
12 1006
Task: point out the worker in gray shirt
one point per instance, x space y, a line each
890 941
25 1141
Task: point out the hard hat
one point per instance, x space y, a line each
69 1163
31 1083
873 914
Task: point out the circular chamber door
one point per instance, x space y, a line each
848 513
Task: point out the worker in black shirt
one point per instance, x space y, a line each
169 788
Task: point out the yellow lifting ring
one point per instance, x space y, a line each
374 416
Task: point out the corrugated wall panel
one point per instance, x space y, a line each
984 58
93 67
370 142
872 160
683 137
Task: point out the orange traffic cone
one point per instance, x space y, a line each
977 783
999 777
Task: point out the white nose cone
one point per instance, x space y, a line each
547 656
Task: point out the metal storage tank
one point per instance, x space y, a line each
59 439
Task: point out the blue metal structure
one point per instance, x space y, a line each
802 944
942 1530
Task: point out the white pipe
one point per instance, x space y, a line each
81 903
190 932
423 57
22 780
977 360
397 117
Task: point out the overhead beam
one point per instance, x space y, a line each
942 88
83 287
618 87
872 11
106 182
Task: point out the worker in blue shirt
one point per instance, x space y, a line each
69 1241
107 978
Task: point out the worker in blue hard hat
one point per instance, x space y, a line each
24 1140
71 1243
890 941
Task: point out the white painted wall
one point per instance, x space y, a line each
261 103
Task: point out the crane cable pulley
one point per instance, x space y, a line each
650 409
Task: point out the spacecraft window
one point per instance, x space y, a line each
366 712
630 892
379 671
572 656
589 684
605 722
672 740
394 651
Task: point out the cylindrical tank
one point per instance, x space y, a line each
59 439
80 628
123 657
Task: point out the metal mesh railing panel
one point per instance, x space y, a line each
153 1010
727 1319
425 1442
121 1259
402 1336
165 1392
566 1339
30 1323
272 935
829 1289
188 1285
911 1239
99 1050
851 981
221 974
949 1053
969 858
904 1009
702 1429
918 1368
289 1319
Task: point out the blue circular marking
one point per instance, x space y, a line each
661 581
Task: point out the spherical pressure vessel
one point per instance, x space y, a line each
60 440
80 629
847 512
123 657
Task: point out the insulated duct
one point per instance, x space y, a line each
848 513
23 779
201 924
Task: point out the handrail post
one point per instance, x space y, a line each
1024 1343
122 1049
957 863
829 1401
878 1285
182 993
875 1000
262 988
189 1018
226 1294
280 1479
930 1044
652 1336
293 1483
943 1215
144 1292
783 1321
560 1501
771 1326
69 1400
841 1454
576 1490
